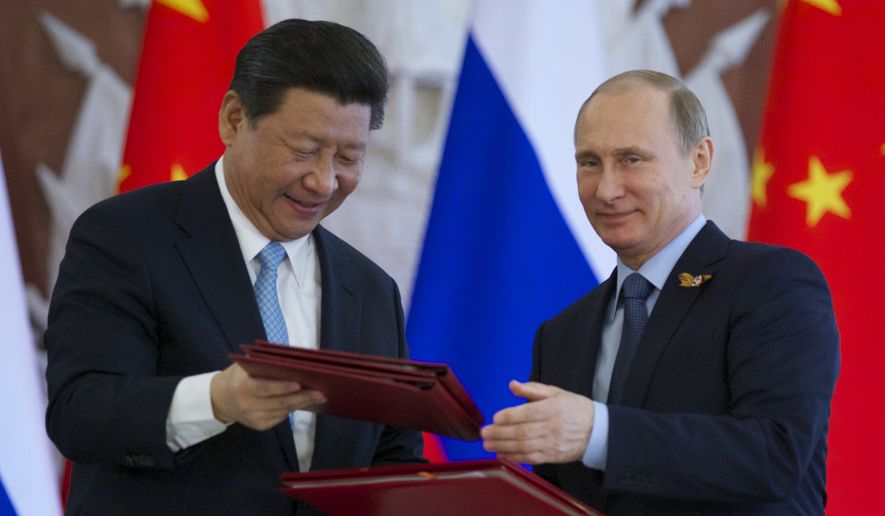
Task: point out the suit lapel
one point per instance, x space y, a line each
213 256
339 329
589 327
673 304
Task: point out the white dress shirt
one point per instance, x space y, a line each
190 418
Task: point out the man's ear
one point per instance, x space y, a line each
702 158
231 117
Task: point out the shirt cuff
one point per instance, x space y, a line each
191 419
596 454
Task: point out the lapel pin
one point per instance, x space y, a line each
686 280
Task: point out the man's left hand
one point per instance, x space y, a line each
553 427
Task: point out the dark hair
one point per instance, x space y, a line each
319 56
687 115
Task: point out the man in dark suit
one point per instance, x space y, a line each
158 286
704 385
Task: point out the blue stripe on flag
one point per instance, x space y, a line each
6 508
498 257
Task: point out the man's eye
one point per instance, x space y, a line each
348 160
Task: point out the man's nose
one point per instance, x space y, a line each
610 185
322 179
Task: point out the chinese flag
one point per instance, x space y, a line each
187 61
819 186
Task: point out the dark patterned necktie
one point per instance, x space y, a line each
634 292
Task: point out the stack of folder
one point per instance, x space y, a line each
404 393
482 488
398 392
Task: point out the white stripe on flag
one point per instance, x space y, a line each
547 58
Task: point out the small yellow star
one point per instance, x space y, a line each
822 192
178 173
762 172
830 6
125 171
192 8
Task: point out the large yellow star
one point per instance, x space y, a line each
762 172
822 192
193 8
830 6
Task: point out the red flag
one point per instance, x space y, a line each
818 177
187 60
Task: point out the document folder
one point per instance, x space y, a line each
482 488
398 392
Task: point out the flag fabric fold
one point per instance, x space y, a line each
817 175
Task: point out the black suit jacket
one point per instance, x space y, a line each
153 288
726 407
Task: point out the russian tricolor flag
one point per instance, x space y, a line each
28 479
508 244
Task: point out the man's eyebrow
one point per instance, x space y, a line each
584 154
618 153
289 138
627 151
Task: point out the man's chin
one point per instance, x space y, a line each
295 232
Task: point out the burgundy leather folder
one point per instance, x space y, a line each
483 488
398 392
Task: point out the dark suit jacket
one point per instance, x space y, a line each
727 404
153 288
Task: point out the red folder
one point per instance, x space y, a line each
483 488
398 392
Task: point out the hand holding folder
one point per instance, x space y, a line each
398 392
482 488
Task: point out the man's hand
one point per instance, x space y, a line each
553 427
256 403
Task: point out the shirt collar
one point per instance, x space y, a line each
658 268
252 241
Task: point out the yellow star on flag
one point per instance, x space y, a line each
125 171
178 173
192 8
830 6
762 172
822 192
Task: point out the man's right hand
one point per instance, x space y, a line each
256 403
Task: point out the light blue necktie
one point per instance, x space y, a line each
268 301
634 291
266 293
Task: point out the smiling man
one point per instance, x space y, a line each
697 379
158 286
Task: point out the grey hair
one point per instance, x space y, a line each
687 115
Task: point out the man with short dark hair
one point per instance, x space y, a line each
158 286
697 379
